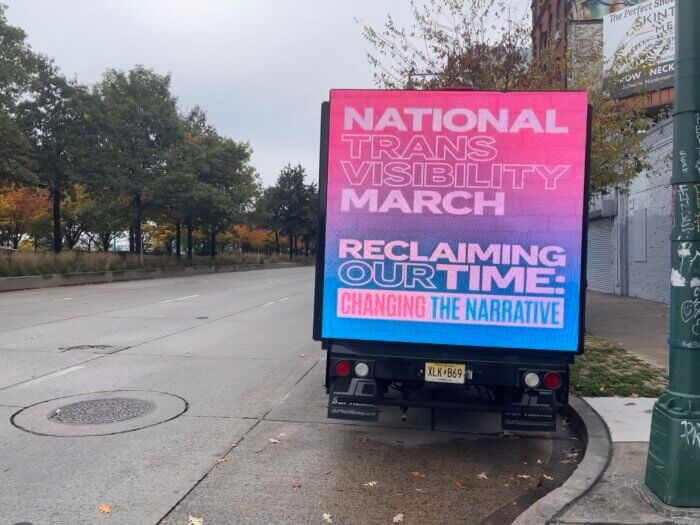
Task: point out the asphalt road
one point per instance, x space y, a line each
231 426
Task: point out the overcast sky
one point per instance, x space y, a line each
260 68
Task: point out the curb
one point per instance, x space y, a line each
31 282
598 450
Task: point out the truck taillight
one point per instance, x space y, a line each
342 368
552 381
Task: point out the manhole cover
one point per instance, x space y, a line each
99 411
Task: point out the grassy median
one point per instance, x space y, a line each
608 370
13 264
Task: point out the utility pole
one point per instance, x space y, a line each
673 464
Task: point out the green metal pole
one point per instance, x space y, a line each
673 464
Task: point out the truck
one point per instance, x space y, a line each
451 249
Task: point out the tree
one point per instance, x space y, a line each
180 190
19 208
77 215
228 190
19 66
310 218
139 123
288 204
264 216
109 218
481 44
57 120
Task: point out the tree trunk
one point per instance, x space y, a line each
189 242
212 243
106 240
277 243
291 246
138 234
57 234
178 239
131 239
306 249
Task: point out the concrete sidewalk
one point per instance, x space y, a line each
619 496
639 326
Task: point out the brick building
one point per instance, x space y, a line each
628 233
549 23
576 27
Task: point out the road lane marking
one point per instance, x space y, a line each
41 379
179 299
64 299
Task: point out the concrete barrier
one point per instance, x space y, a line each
29 282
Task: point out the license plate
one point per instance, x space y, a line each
445 373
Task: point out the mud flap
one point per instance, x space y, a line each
346 400
535 413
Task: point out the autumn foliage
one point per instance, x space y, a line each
20 208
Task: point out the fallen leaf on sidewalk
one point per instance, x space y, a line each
364 439
539 461
195 521
460 485
275 441
105 508
302 355
482 476
221 460
524 476
283 434
327 517
398 518
545 476
371 483
417 474
328 472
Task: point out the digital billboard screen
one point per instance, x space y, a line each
454 218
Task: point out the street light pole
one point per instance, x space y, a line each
673 463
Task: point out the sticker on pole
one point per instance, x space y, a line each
455 218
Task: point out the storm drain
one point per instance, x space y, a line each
99 413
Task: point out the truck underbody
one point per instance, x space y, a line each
527 387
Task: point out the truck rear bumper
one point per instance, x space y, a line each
493 382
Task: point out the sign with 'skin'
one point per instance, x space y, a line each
455 218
